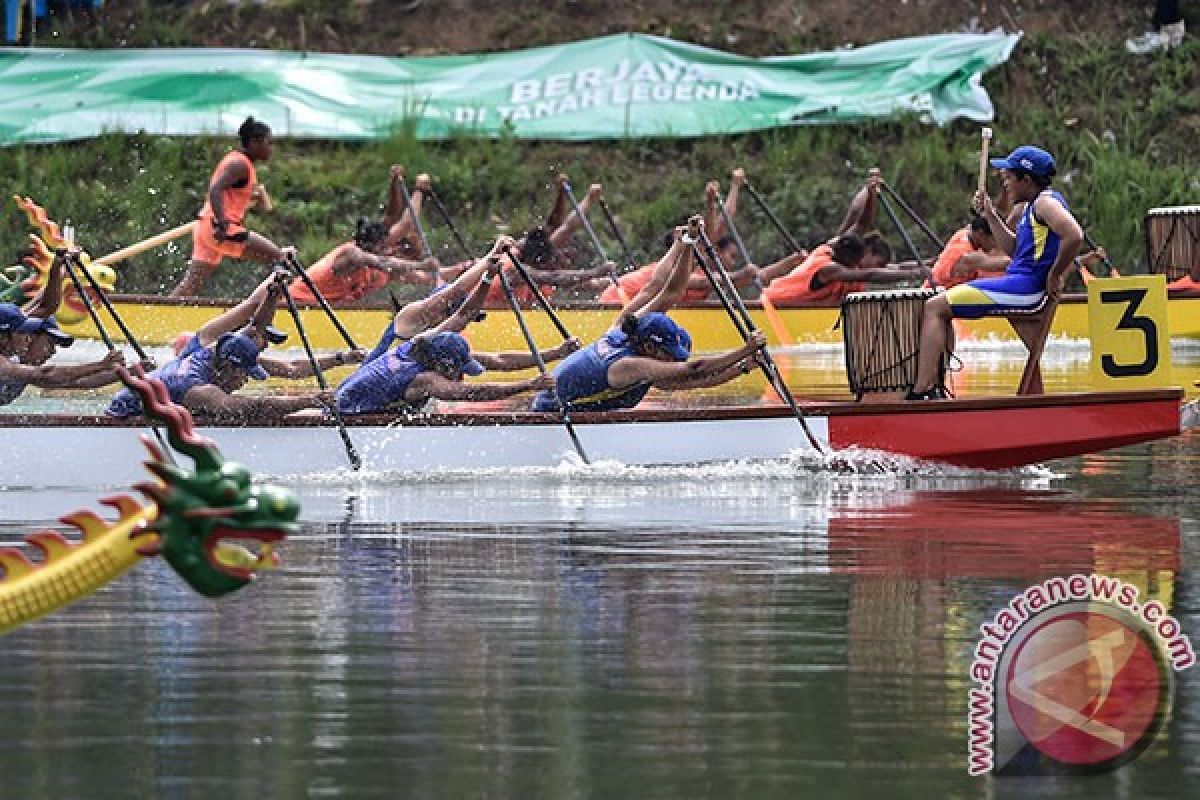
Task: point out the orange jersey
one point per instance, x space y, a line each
235 199
957 247
633 282
497 299
344 288
796 286
1184 284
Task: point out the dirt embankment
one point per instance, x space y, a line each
425 27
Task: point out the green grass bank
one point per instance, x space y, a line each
1123 129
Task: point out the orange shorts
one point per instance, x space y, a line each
207 250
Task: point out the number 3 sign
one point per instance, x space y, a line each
1127 321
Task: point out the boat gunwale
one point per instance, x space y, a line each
727 413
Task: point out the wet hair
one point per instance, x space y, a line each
980 225
629 326
725 241
253 129
875 243
419 352
1042 182
368 234
848 249
536 247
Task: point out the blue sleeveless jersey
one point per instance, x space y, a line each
582 379
179 376
1036 246
379 383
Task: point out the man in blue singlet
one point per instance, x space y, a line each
205 381
28 342
430 366
645 348
1042 249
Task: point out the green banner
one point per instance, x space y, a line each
612 87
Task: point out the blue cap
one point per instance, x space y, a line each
453 350
659 330
14 320
241 351
1032 159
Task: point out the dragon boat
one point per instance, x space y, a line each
987 433
158 320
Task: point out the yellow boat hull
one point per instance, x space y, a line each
157 321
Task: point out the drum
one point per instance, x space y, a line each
882 333
1173 240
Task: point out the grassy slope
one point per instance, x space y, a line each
1122 127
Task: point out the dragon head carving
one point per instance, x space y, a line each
20 283
208 515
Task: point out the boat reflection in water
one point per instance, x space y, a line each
770 629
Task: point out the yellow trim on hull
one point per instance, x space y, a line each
158 323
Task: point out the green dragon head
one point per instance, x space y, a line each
208 515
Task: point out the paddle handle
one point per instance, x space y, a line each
351 452
541 364
985 141
146 244
537 295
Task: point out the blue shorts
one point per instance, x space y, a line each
991 296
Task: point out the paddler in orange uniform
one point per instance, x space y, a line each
354 269
1188 284
968 253
219 232
844 264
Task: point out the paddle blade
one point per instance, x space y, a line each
775 320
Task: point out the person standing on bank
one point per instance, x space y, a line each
219 231
1042 250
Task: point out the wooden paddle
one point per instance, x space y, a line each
294 262
741 319
541 364
351 452
67 259
587 225
774 318
146 244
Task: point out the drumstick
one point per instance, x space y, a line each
986 139
263 199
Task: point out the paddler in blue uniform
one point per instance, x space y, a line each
645 349
430 366
1042 250
205 381
28 342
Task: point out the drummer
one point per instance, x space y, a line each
645 348
1042 249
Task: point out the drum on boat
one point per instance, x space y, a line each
1172 240
882 333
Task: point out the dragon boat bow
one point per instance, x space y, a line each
987 433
